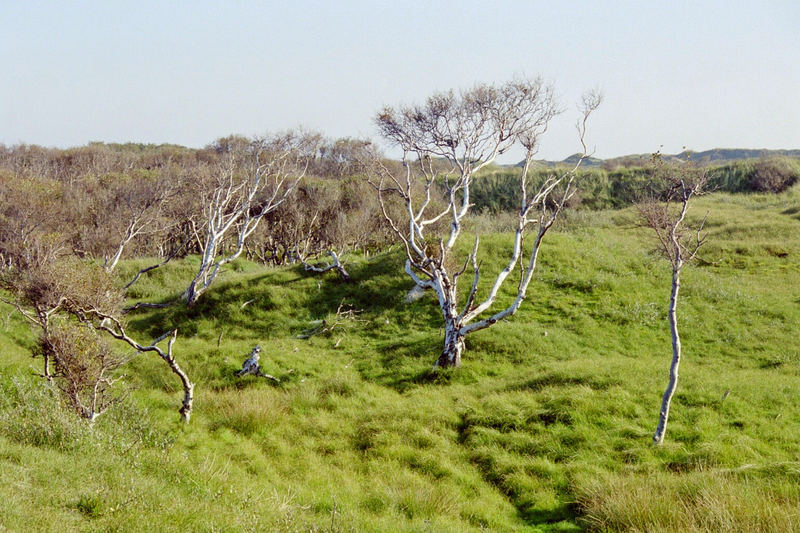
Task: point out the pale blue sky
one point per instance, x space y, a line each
703 74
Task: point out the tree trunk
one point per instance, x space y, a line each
451 354
344 274
453 338
453 342
191 296
658 437
188 398
47 375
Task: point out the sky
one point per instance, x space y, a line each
700 74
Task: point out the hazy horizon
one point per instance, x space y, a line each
714 75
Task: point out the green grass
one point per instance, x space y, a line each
546 427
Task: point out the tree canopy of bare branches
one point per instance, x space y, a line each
446 141
251 182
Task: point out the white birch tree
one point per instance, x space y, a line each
680 243
468 131
250 184
137 204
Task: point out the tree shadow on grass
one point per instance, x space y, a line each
280 303
236 304
231 305
560 379
376 285
407 365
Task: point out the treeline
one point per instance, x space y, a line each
601 188
109 201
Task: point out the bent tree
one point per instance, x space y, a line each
680 243
468 131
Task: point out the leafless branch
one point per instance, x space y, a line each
468 131
114 327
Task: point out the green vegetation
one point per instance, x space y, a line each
545 427
620 186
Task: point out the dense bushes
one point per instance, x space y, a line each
83 200
106 201
755 175
601 188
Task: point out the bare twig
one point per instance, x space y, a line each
346 317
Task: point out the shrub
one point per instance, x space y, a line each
773 175
84 367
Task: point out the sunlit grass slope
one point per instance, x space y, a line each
546 426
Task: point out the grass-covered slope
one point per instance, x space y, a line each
546 426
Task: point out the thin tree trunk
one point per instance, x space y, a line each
188 387
188 394
47 375
45 325
658 437
119 333
110 264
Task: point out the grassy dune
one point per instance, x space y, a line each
546 427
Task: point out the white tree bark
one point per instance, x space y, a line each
661 429
469 132
238 205
114 327
679 248
251 366
335 264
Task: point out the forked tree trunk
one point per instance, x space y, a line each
453 339
453 348
191 295
658 437
469 131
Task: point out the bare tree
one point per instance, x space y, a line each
101 319
51 297
680 243
251 183
114 327
136 205
467 132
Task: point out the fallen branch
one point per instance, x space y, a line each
346 316
336 264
